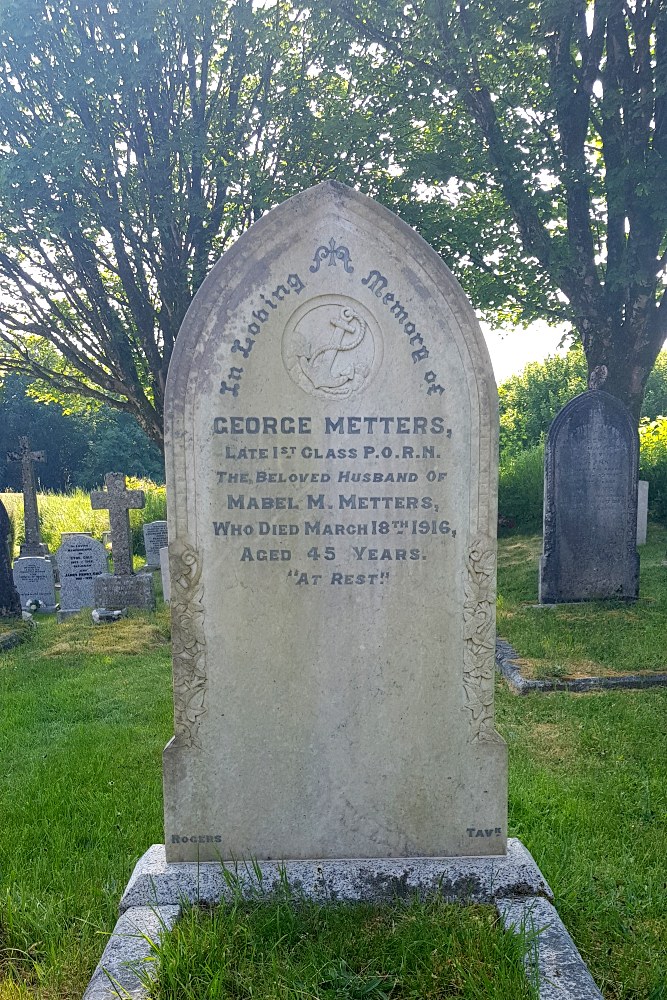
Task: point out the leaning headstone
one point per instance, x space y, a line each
155 538
642 511
122 588
32 544
35 581
164 572
590 503
331 445
10 601
80 560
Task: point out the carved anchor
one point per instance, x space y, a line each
318 366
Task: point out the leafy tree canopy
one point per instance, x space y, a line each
137 140
542 125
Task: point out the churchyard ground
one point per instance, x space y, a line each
87 711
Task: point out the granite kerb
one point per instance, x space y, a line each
508 666
514 884
466 879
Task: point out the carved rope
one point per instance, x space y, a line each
188 642
479 623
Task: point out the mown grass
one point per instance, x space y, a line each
585 639
85 713
292 949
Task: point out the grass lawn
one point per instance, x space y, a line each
356 951
85 713
588 639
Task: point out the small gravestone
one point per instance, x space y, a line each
35 581
32 544
81 559
155 538
164 572
10 601
122 588
642 511
331 445
590 503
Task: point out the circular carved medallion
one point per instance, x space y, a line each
332 346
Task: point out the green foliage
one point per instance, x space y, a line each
521 488
653 464
528 402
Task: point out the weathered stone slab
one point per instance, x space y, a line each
124 962
10 602
80 559
590 503
117 592
34 580
554 962
164 572
331 443
155 538
154 882
642 511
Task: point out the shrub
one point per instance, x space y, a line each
653 464
521 488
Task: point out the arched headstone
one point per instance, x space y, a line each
590 503
331 449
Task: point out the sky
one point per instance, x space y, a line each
511 350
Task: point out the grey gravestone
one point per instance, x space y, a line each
642 511
331 447
35 581
33 544
122 588
590 503
155 538
164 571
10 602
80 560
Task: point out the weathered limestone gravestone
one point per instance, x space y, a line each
10 602
164 573
35 581
81 559
33 544
331 428
155 538
590 503
122 588
642 511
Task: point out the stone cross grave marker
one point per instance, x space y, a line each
123 587
10 602
590 503
33 544
331 447
155 538
80 560
118 500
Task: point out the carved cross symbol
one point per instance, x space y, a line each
118 501
33 544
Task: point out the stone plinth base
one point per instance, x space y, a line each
512 883
130 591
